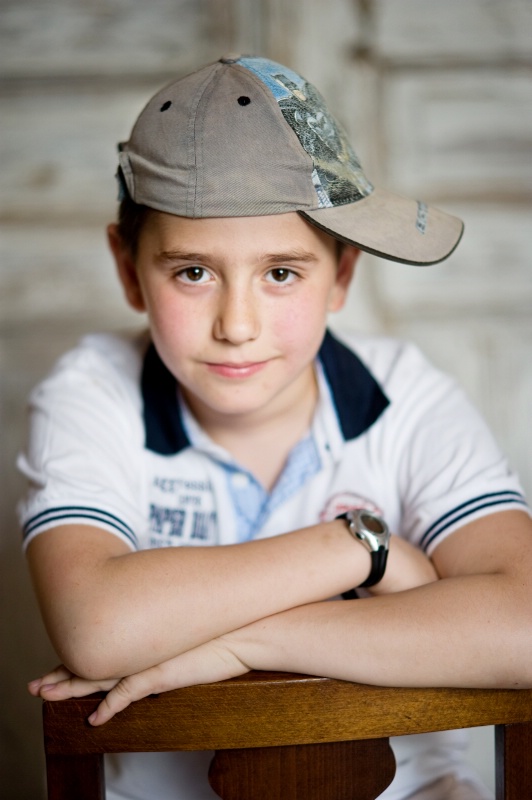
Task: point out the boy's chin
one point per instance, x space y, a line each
239 404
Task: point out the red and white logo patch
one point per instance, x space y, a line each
347 501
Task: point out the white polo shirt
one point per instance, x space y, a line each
111 444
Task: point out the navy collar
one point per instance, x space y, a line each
165 433
358 398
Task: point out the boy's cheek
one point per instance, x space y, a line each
302 323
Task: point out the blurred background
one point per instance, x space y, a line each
437 98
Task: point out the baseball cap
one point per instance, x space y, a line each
245 136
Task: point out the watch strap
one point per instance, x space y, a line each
378 566
351 594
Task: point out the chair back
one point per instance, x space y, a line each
285 737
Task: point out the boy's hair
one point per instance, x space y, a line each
132 216
248 137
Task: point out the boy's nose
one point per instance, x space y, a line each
237 320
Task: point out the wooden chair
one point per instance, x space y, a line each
285 737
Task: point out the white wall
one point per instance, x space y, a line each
437 97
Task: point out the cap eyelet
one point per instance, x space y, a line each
166 106
244 101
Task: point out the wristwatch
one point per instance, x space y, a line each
371 531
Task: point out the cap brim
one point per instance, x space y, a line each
393 227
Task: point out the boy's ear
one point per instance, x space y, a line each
127 271
344 275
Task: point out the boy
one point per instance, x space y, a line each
238 420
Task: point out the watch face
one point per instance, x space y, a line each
372 523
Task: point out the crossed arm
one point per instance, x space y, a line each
138 623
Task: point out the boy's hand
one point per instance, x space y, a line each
208 663
407 567
60 684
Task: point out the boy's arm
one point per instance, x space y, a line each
111 612
473 628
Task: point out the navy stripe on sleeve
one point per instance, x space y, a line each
467 509
78 512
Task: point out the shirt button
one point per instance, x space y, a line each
240 480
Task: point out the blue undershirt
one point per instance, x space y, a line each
253 504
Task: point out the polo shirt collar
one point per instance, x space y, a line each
163 423
357 397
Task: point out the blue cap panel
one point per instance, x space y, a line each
337 176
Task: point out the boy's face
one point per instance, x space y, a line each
237 306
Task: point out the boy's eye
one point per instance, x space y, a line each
193 275
281 275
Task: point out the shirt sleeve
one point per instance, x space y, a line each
449 467
82 461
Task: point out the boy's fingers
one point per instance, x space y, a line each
203 664
74 687
34 687
126 691
60 673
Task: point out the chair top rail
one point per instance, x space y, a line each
263 709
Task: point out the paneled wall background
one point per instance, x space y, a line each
438 99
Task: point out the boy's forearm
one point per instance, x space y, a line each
407 639
471 631
109 616
472 628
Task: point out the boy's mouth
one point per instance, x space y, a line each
236 370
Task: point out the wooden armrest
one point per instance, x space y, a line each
269 727
264 709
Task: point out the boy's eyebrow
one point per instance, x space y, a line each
179 255
272 258
291 255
